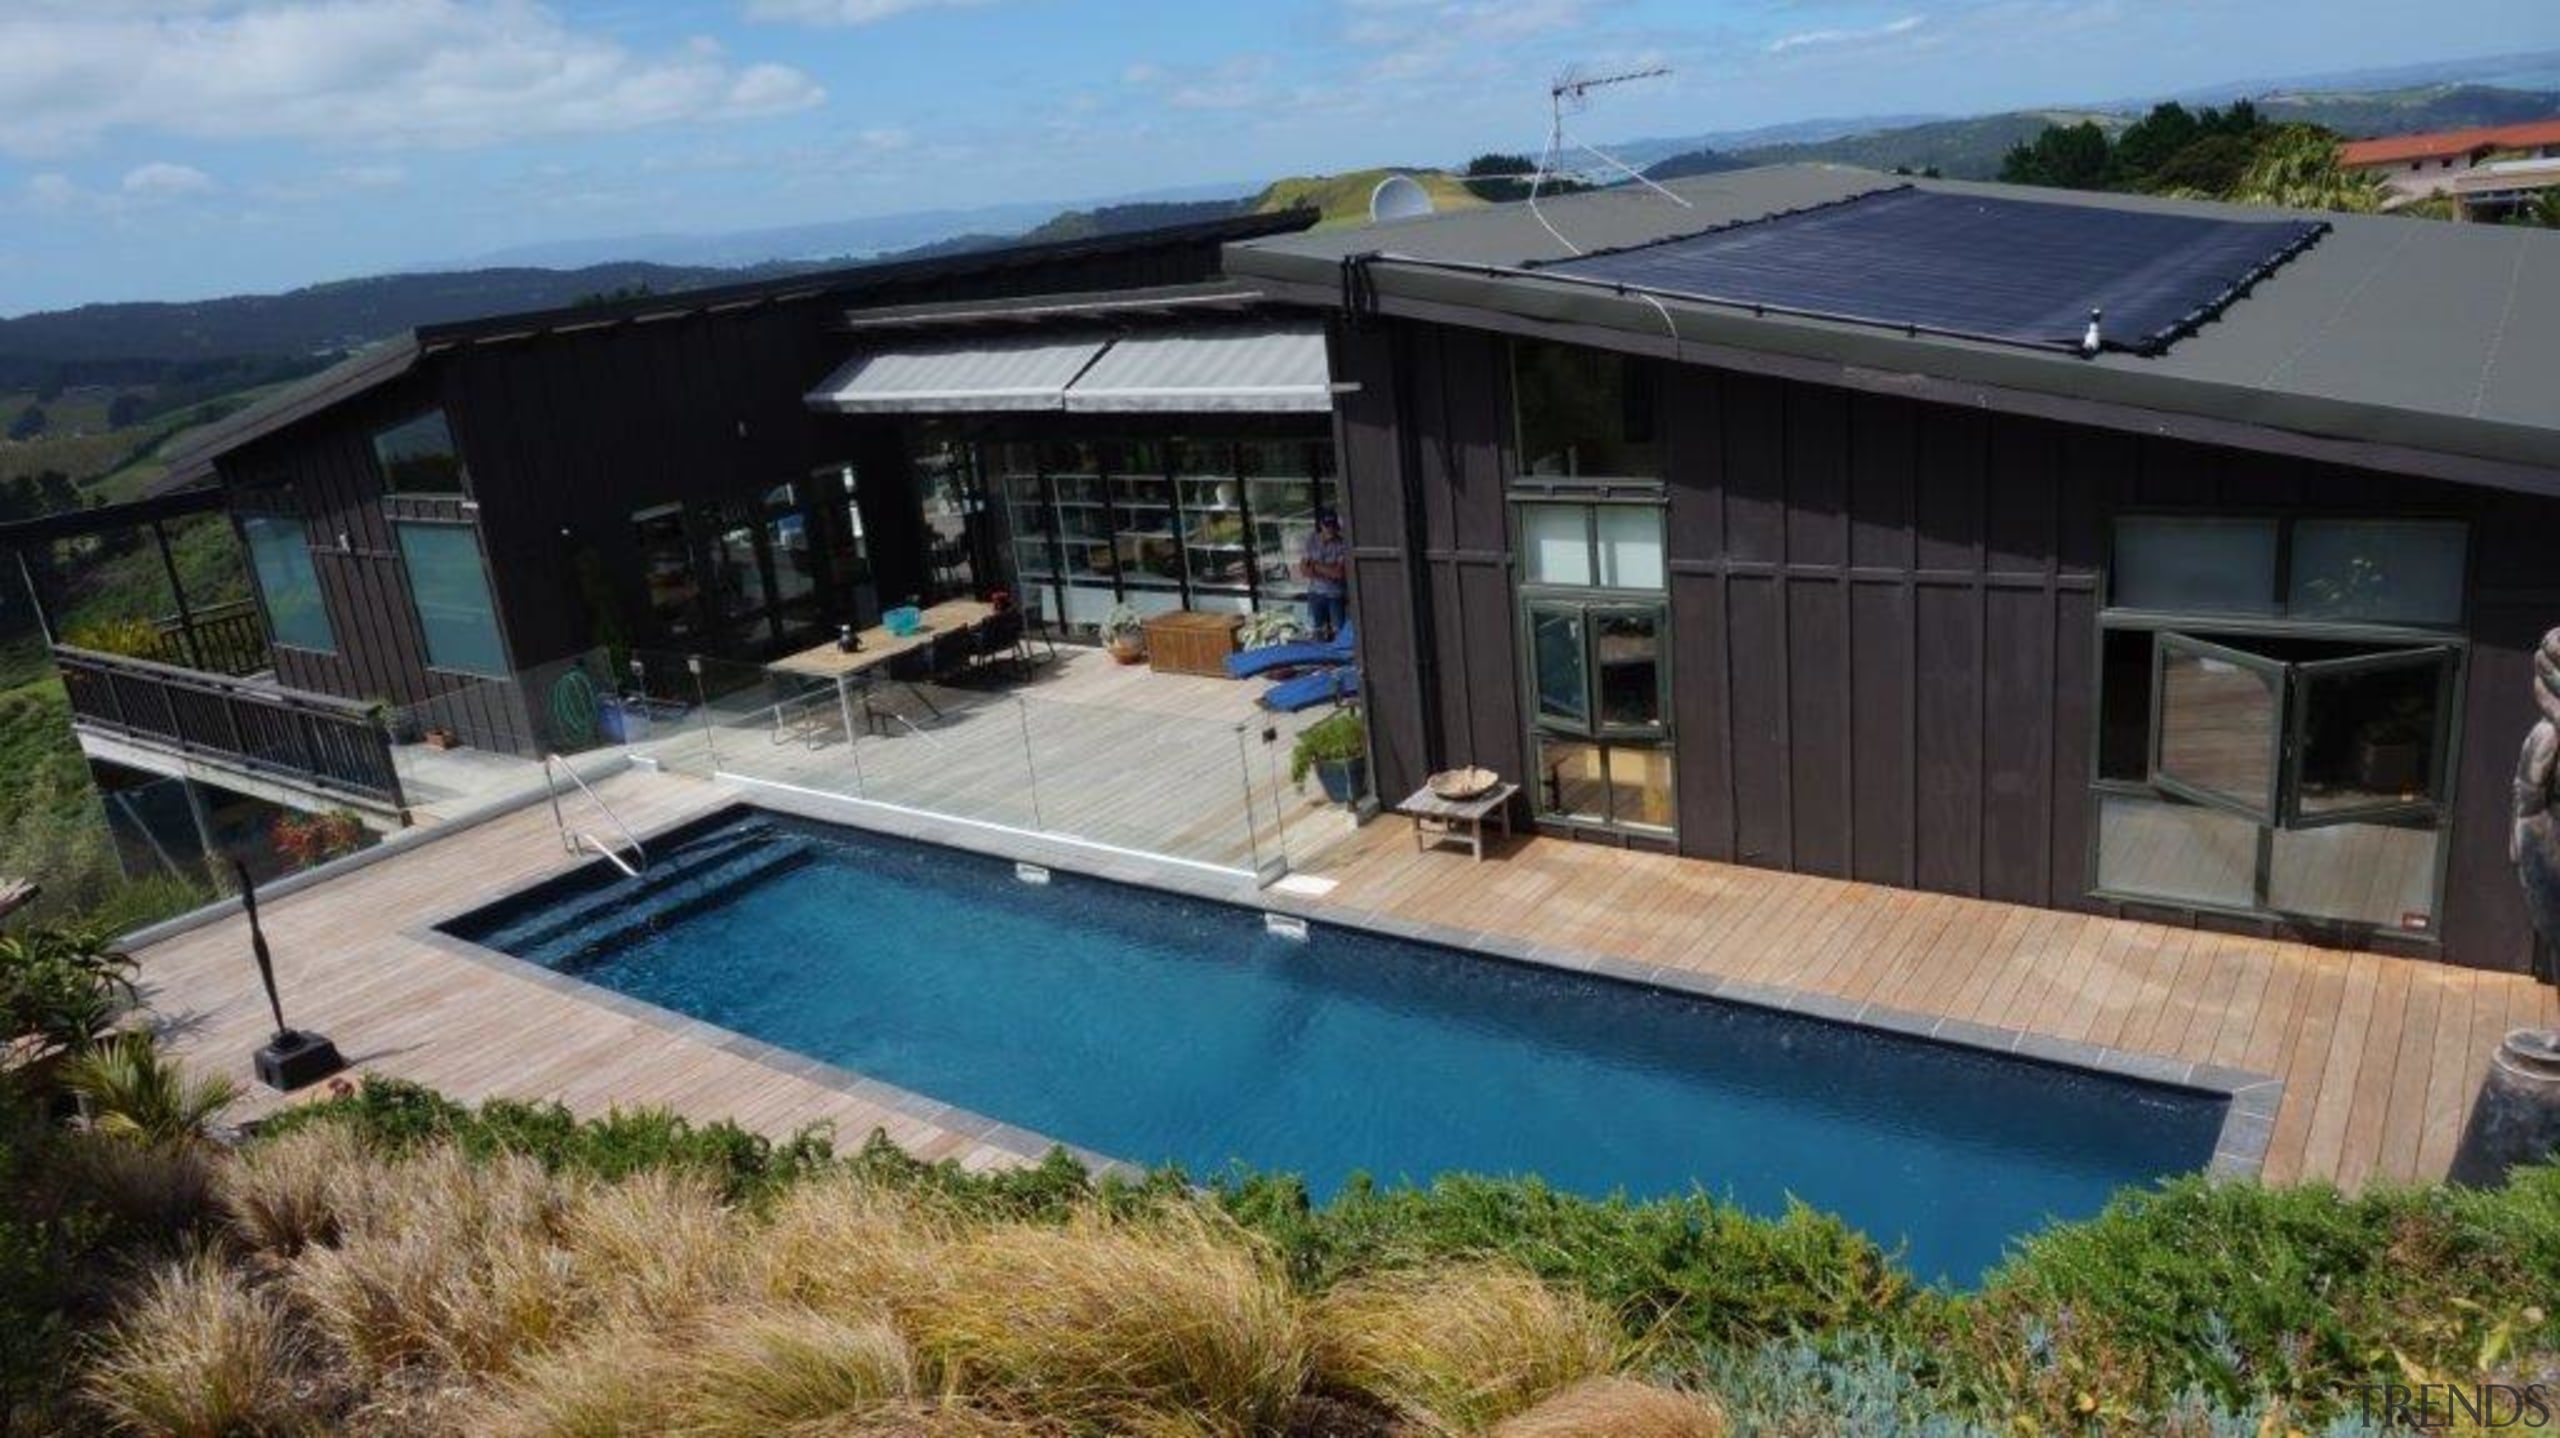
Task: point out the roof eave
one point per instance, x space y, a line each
2486 452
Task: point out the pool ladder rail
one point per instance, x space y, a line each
579 841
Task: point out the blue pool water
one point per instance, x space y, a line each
1155 1028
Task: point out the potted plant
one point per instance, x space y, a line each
1266 627
1124 634
1336 747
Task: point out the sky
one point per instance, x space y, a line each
163 149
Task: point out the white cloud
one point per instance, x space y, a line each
1810 39
383 72
162 179
847 12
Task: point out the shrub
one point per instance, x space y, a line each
197 1355
307 840
1120 1323
783 1369
62 988
659 1244
282 1196
1617 1408
1455 1349
1335 738
851 1247
154 1195
131 638
136 1093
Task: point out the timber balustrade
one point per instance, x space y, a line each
318 741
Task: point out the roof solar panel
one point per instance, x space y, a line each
2016 271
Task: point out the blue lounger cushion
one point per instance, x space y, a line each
1299 654
1307 690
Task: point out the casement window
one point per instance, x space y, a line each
2278 704
418 456
450 587
280 555
1597 630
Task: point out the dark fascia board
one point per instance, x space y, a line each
1210 295
106 518
2488 453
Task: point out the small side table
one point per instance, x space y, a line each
1436 819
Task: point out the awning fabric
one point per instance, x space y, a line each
1262 370
980 376
1255 369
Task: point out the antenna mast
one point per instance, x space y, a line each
1572 91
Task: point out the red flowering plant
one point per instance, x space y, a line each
304 840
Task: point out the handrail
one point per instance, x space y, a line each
315 741
579 840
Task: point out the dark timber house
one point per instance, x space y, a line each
450 522
1782 527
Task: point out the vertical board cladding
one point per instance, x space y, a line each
1884 618
1370 445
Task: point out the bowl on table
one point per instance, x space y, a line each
1457 786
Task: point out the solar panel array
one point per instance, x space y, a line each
1931 261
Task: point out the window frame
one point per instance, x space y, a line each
2451 636
1589 603
241 521
418 614
461 467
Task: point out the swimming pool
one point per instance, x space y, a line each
1155 1027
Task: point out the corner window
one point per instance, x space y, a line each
418 457
1584 413
2276 715
280 553
450 586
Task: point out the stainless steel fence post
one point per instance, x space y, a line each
1244 771
702 698
852 740
1030 760
1279 807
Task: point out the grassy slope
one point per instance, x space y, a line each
1344 199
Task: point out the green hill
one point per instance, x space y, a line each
1344 199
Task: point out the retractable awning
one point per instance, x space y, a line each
1265 369
979 376
1230 369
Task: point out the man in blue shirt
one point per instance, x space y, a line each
1327 568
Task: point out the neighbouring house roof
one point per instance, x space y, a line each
192 462
1267 366
2441 144
2408 344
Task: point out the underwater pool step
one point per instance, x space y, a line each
608 895
670 903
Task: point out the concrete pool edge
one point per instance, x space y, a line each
2240 1146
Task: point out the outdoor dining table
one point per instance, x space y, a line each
878 646
847 669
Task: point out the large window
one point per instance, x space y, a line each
2277 706
1584 413
450 587
297 612
1591 581
418 456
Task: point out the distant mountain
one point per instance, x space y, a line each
144 342
870 236
1971 149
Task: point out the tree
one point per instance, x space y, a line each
124 409
31 421
1501 178
2068 157
2211 167
2151 142
2297 166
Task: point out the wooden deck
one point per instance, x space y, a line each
2379 1056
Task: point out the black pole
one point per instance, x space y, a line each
178 592
258 946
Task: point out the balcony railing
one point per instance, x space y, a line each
315 741
224 639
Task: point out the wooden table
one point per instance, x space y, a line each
1436 819
1187 641
879 646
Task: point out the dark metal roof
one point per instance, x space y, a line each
1972 266
192 463
110 518
2401 343
1158 302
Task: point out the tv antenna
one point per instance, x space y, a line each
1571 94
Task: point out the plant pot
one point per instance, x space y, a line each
1343 780
1128 649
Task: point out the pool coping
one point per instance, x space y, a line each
2240 1148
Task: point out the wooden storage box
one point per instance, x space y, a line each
1188 642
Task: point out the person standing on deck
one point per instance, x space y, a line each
1327 569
